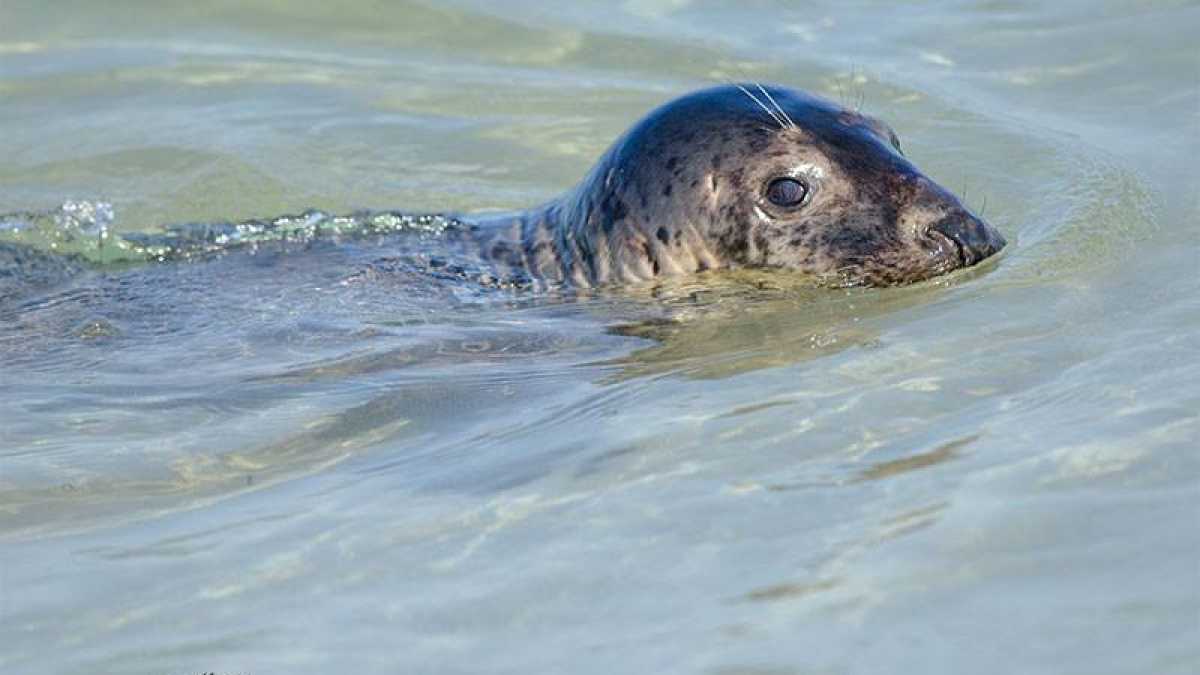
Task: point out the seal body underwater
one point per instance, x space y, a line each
742 176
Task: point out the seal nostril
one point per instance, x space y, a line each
949 243
975 239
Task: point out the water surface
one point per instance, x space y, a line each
235 441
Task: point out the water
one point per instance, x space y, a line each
281 450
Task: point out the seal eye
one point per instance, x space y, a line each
786 192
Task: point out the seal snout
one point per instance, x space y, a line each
974 239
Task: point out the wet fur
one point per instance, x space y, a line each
683 191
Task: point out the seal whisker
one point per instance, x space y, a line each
858 94
837 83
762 105
777 106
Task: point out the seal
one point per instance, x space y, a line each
743 175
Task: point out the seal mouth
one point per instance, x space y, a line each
972 239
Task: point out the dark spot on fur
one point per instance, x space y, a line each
587 258
663 235
763 245
734 241
672 163
694 183
716 161
650 256
614 210
619 210
667 190
799 234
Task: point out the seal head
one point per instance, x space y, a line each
750 176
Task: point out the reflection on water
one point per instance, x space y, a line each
238 441
942 453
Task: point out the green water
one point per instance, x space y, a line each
294 457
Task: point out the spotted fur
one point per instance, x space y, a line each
683 191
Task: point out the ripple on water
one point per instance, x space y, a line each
298 370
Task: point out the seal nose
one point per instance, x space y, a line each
975 239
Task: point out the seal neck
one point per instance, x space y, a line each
585 238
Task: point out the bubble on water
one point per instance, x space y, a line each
77 229
88 218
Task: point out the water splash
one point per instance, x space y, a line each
84 230
71 229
